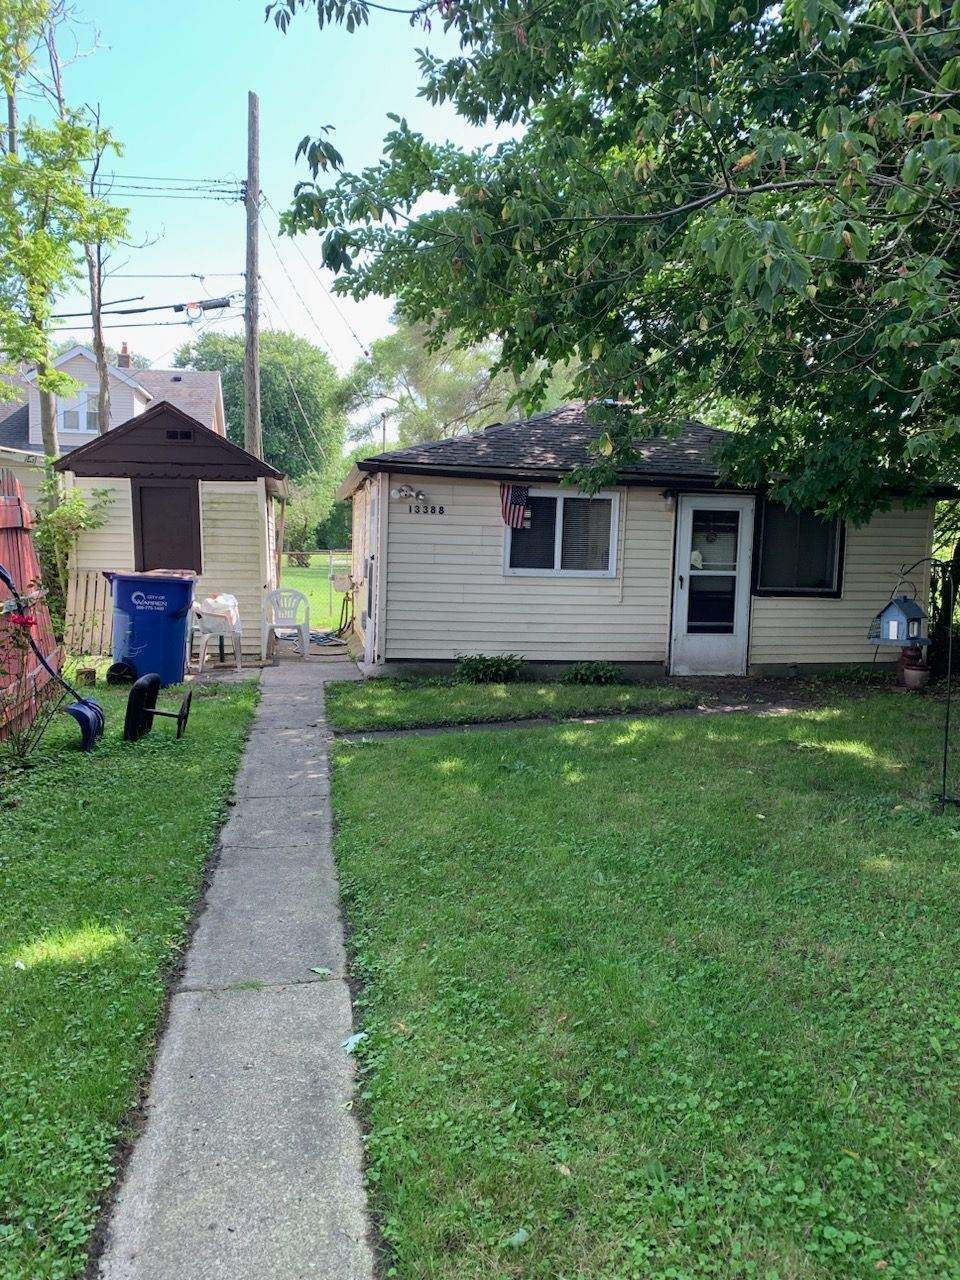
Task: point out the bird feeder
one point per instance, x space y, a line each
901 622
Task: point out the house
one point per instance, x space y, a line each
182 496
473 545
132 391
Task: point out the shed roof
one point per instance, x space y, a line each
552 444
166 443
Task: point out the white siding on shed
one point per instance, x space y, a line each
234 544
447 593
233 525
788 629
110 546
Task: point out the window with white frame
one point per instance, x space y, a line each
565 534
79 412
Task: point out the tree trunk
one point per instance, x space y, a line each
48 426
92 253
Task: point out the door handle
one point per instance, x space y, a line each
681 582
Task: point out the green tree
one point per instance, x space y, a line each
48 212
335 529
302 400
431 392
711 201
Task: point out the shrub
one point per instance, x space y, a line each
591 673
60 518
484 668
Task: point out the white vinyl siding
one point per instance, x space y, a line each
110 546
233 525
233 535
29 472
358 544
125 402
789 629
447 592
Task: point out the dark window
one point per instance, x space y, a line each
799 553
180 435
532 547
585 537
586 533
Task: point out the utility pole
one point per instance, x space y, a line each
252 434
383 433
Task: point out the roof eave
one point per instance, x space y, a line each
543 475
350 484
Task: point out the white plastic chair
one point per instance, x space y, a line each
216 618
281 612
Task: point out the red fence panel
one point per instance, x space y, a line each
24 684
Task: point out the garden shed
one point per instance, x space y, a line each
180 496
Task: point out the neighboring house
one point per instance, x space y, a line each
668 570
132 391
182 496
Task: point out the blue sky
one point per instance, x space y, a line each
171 79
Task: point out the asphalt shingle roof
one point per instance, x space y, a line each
15 426
553 443
192 390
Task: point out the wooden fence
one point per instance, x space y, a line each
25 686
89 620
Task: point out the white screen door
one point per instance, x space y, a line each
711 590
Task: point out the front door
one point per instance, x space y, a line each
711 590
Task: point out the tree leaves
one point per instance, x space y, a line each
704 203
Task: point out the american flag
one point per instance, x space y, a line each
513 503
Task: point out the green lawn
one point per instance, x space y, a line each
401 704
663 998
101 861
315 585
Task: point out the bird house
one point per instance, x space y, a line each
901 622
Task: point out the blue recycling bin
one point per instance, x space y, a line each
151 622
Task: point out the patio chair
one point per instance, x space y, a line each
282 612
217 618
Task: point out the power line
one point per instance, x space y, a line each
69 315
286 374
319 280
153 177
200 328
296 290
150 324
170 275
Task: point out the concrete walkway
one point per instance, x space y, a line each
249 1165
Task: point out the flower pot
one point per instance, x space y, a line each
915 677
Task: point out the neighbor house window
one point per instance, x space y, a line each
799 553
78 413
565 534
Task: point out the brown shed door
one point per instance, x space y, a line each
166 523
